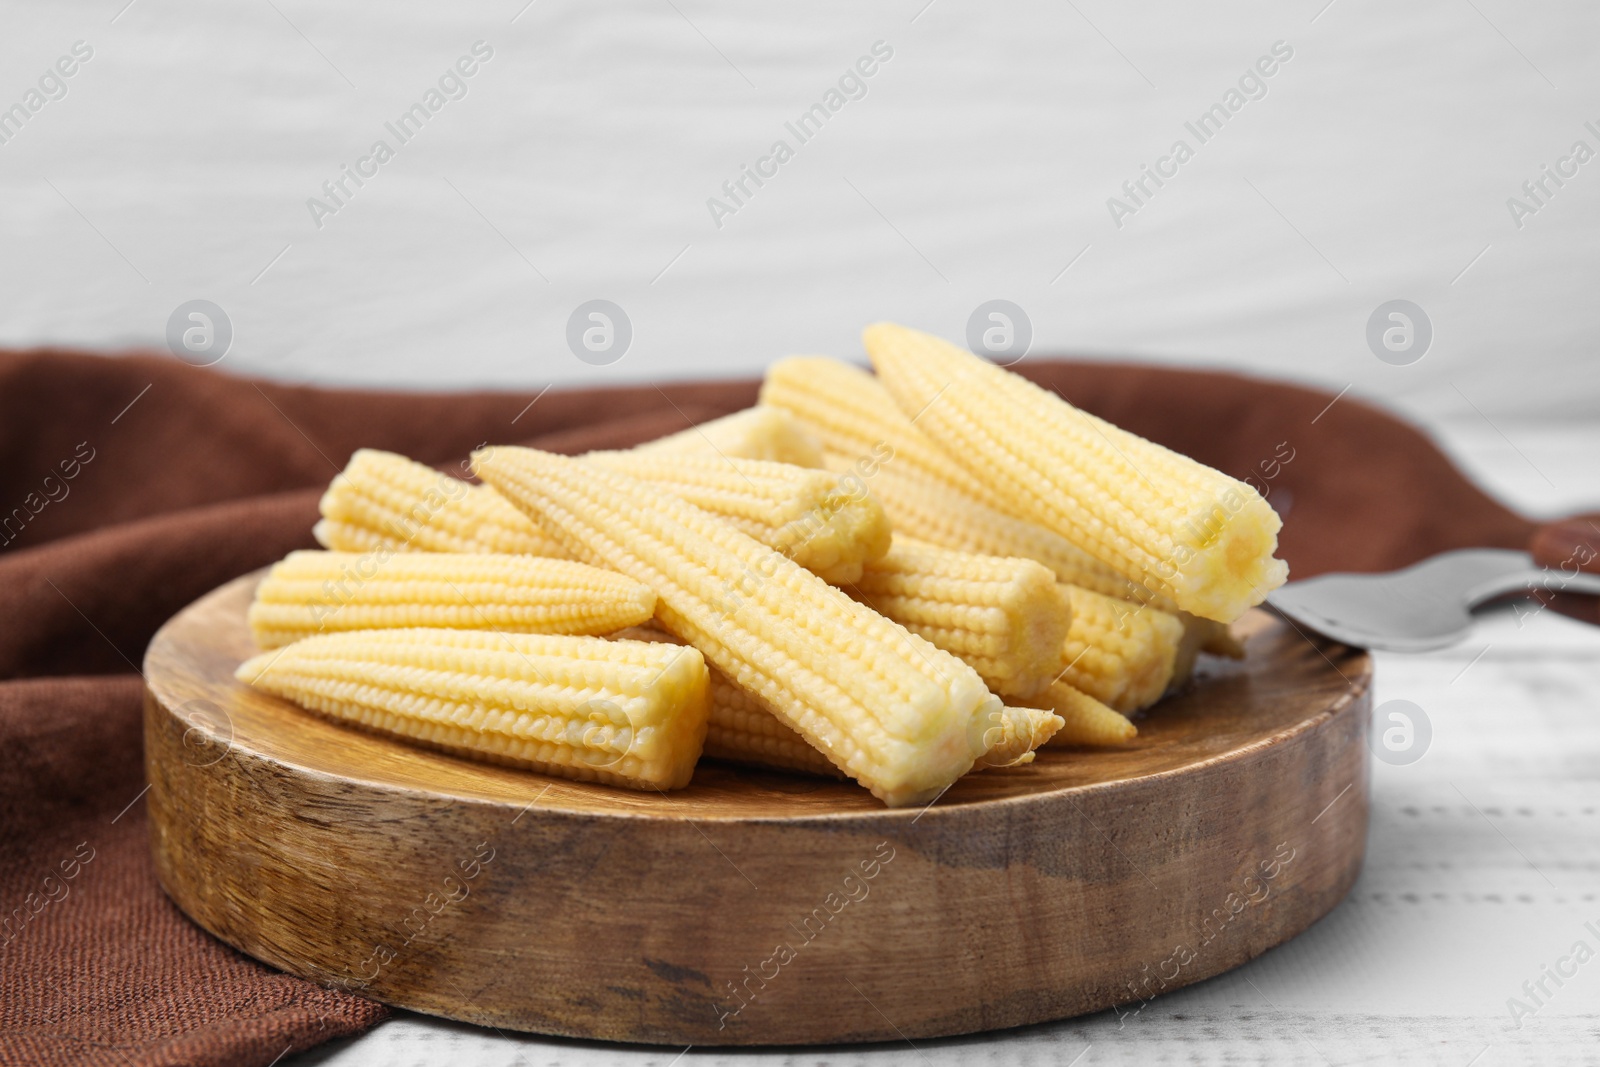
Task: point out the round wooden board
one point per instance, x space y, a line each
754 908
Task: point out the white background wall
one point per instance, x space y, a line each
977 166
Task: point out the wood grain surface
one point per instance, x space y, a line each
756 908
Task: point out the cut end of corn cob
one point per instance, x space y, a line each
760 432
384 500
1004 617
1120 653
1163 520
1086 721
902 717
621 712
324 592
828 524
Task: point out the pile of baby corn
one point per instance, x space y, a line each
897 578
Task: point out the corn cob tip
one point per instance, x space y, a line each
1217 638
1085 720
1015 733
250 671
761 432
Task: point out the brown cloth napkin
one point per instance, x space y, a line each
131 486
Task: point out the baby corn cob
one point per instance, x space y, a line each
936 514
851 412
744 729
622 712
760 432
385 501
1162 519
927 494
1208 635
1086 721
1005 617
322 592
829 525
1201 635
899 716
1120 653
940 515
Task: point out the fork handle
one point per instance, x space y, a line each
1568 546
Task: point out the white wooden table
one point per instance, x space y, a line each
1483 867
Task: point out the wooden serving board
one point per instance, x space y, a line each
755 908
